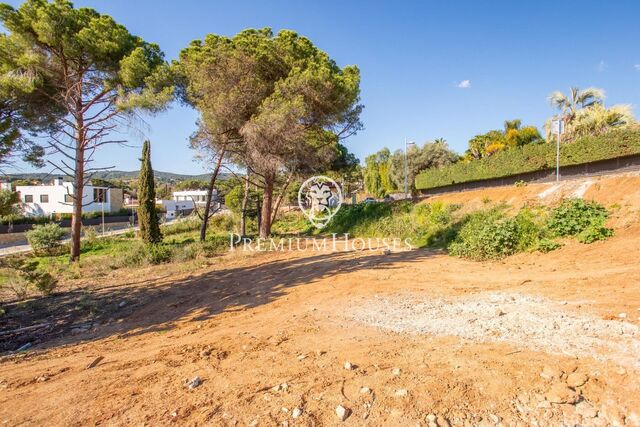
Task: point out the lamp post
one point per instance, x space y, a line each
406 167
557 127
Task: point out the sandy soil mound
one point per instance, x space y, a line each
536 323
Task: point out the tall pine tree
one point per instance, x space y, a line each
147 215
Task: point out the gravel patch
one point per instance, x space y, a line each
522 320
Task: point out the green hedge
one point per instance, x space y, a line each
531 158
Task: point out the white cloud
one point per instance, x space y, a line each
465 84
637 67
601 66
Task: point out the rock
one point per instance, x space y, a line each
320 352
280 387
551 372
365 390
206 352
499 312
586 410
24 347
194 382
302 357
561 393
349 366
622 315
95 362
285 410
296 412
122 304
402 392
396 371
342 412
431 418
42 378
577 379
495 418
442 422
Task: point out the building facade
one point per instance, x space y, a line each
57 198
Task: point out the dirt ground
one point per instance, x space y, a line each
270 335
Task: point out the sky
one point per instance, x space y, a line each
429 69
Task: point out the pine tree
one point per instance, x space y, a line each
147 215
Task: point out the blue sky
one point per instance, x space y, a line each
415 58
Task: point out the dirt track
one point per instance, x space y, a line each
270 333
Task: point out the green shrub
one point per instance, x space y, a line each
533 157
574 216
211 247
158 253
547 245
486 235
594 233
45 238
20 275
491 234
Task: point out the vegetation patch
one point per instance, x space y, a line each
533 157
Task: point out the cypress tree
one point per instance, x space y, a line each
147 215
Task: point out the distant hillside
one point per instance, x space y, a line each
124 175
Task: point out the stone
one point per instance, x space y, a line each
396 371
495 418
499 312
95 362
122 304
296 412
365 390
431 418
194 382
622 315
302 357
586 410
342 412
551 372
280 387
320 352
442 422
577 379
561 393
402 392
349 366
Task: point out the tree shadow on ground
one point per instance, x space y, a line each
156 304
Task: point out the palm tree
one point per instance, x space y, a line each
576 100
440 141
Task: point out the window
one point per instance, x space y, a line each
100 195
28 198
44 198
68 198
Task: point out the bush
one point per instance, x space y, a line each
594 233
45 238
486 235
21 275
575 216
158 253
212 246
535 157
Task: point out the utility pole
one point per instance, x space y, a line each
406 167
557 127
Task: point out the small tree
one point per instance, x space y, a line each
8 201
147 215
45 238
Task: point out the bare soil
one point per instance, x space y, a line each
269 333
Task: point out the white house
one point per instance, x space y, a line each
199 197
184 202
57 198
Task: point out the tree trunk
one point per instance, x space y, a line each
207 205
281 197
78 192
267 198
243 207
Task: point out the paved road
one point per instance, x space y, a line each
18 249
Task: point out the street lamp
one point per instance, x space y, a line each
406 167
